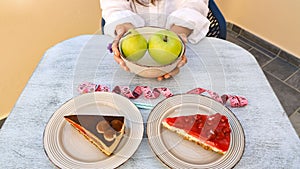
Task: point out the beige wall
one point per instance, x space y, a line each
276 21
28 29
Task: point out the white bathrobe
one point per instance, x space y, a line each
191 14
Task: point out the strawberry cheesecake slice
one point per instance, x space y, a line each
212 132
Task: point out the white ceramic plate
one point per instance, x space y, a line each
67 148
175 151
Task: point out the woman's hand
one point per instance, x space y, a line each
183 33
120 31
174 71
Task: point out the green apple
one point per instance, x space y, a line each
164 47
133 45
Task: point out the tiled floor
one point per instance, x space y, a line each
281 69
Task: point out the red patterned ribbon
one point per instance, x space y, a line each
87 87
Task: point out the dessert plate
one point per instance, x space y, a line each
67 148
176 152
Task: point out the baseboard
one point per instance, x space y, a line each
269 47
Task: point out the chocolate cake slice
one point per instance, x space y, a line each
105 132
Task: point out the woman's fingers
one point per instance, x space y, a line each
120 61
117 55
182 62
160 78
120 31
169 75
183 37
175 71
115 48
172 73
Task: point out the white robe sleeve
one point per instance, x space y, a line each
192 14
117 12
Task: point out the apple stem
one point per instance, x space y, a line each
165 38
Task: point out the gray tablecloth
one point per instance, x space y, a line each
214 64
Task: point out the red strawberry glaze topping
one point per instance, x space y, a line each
213 130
